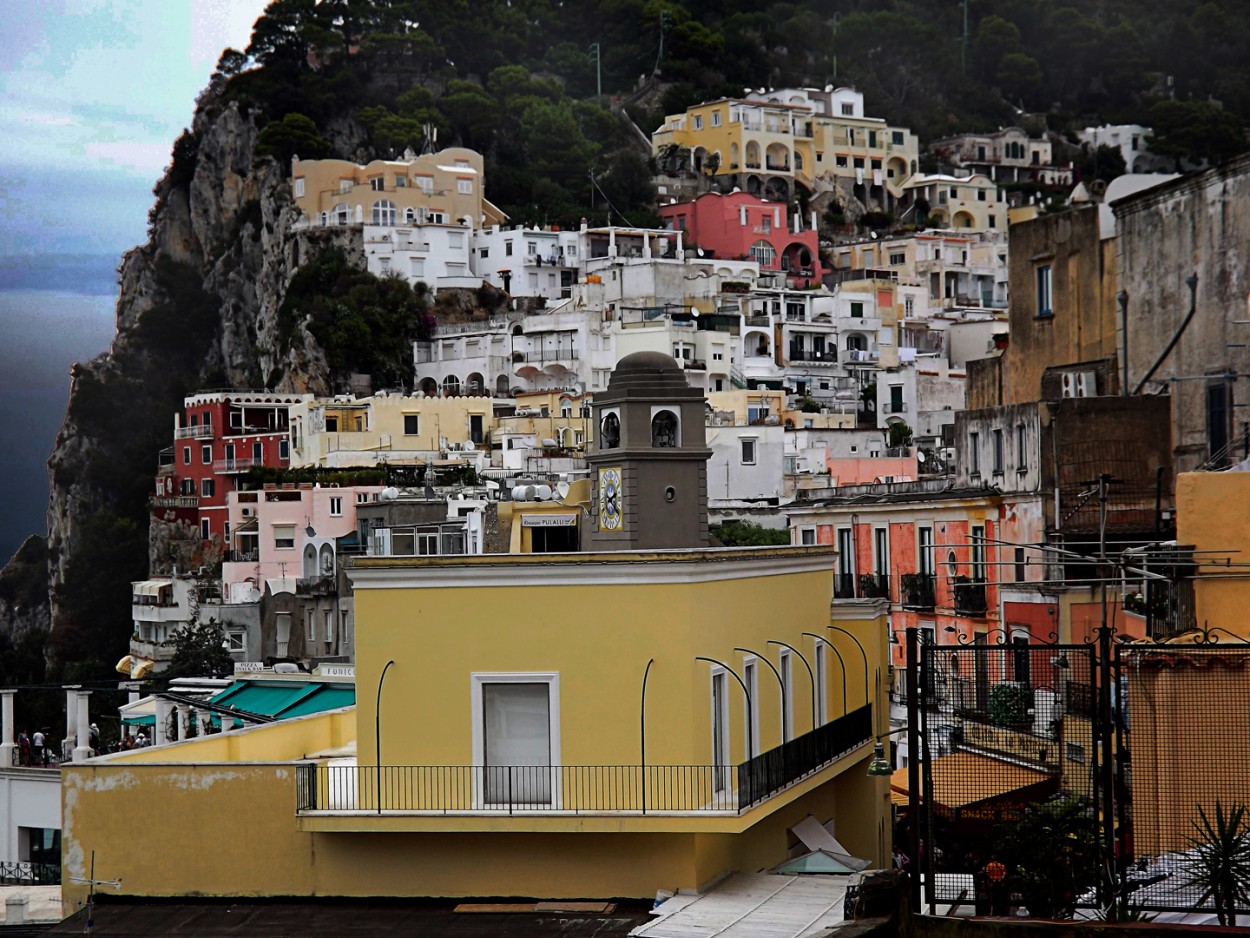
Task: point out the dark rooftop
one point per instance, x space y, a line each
299 918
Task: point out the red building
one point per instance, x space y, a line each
742 226
219 436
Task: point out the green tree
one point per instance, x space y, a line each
1195 130
294 134
200 651
1219 863
748 534
1019 76
1052 854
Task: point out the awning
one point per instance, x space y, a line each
248 526
966 784
149 587
285 699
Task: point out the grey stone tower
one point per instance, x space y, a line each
648 465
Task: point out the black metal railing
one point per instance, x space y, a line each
778 768
827 356
578 789
919 590
20 873
844 585
970 599
874 585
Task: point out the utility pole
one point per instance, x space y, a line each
594 50
836 17
964 55
665 21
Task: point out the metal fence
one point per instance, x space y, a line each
579 789
1059 777
14 873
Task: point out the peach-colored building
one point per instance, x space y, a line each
446 187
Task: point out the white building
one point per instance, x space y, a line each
437 255
532 262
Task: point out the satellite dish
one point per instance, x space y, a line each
700 251
920 457
388 494
518 493
542 492
492 485
548 441
467 446
562 489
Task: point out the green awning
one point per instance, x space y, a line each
141 720
285 699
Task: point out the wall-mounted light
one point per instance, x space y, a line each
880 765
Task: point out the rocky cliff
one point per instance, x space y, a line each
197 308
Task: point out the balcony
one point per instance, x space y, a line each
896 407
176 501
844 586
242 556
201 432
815 356
970 599
578 790
238 464
155 651
874 585
919 590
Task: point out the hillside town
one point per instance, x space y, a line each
708 562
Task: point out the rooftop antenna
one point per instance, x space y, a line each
91 882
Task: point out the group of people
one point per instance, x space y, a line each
32 749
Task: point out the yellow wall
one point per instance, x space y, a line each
154 826
1213 514
322 186
599 639
437 418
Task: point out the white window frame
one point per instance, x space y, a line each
753 443
722 774
785 667
477 713
822 686
751 709
336 506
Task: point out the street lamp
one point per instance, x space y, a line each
880 766
377 731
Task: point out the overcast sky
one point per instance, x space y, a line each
92 95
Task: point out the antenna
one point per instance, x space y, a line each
92 882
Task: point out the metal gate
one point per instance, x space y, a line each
1029 754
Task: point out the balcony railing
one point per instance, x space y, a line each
819 356
22 873
919 590
874 585
844 585
199 432
970 599
176 501
895 407
579 789
238 464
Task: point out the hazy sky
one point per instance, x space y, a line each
92 95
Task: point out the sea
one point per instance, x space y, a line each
54 311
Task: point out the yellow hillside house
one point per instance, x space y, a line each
503 697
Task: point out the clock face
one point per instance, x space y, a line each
610 500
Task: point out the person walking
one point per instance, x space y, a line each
38 753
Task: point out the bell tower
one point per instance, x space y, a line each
648 464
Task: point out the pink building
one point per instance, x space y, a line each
864 470
742 226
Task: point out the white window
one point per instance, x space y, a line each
345 185
698 122
236 642
418 266
362 497
464 186
822 686
763 254
716 118
282 628
329 622
721 780
336 506
1044 308
204 529
455 239
787 696
426 184
748 452
807 536
206 488
751 714
299 188
284 536
516 737
186 455
310 624
206 454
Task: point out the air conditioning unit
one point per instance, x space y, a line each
249 512
1087 384
1069 384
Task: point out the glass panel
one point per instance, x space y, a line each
517 739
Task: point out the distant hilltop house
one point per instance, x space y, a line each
1133 142
768 143
436 188
1008 155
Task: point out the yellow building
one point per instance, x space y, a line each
390 427
446 187
772 140
1213 517
971 203
514 736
